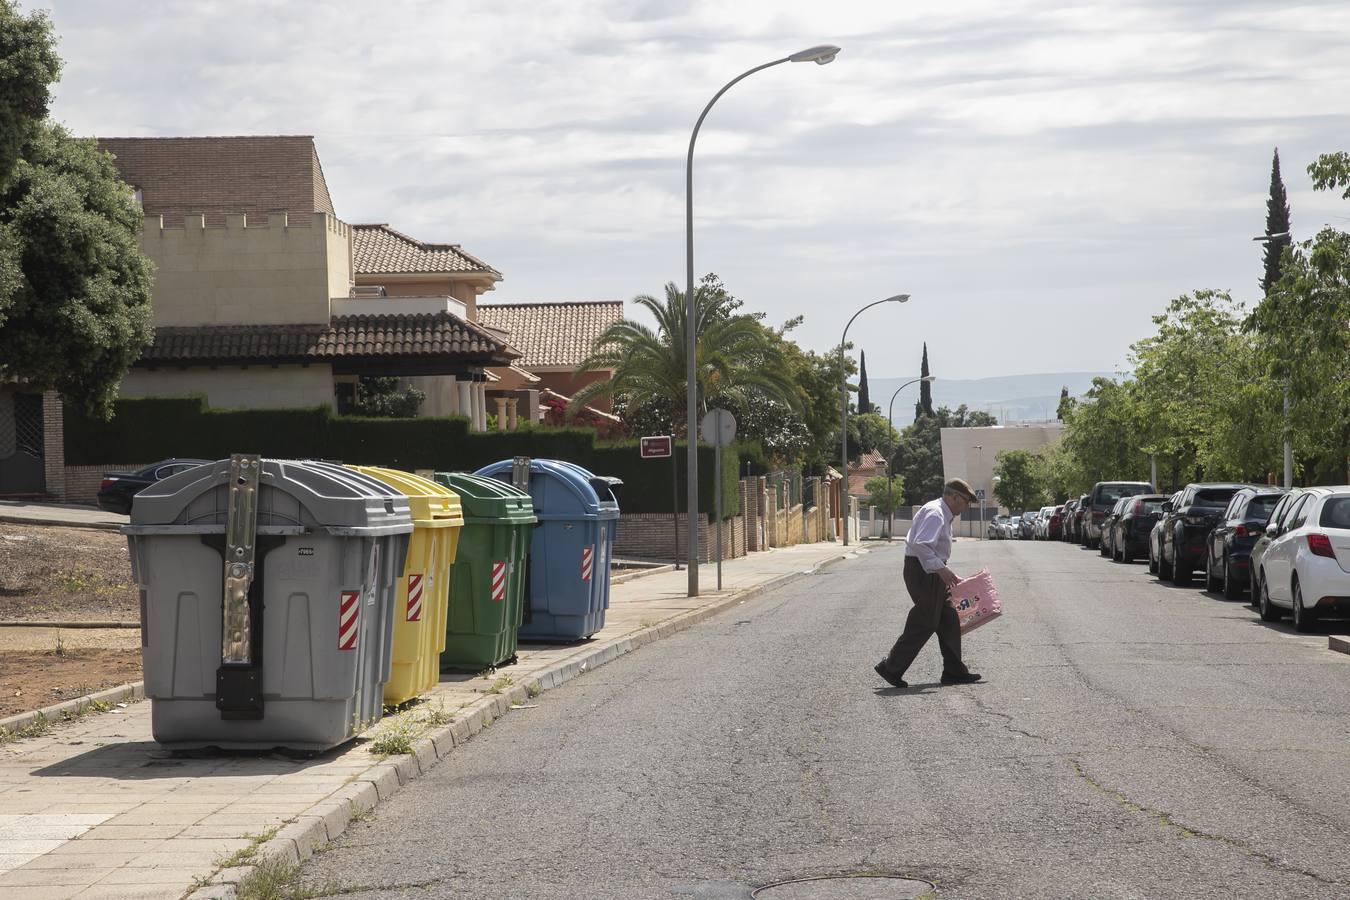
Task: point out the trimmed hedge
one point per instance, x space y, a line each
145 430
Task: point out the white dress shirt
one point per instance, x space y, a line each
930 535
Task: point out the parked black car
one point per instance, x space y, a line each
117 488
1104 496
1129 534
1186 524
1106 543
1228 562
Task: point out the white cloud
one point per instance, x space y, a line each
1029 171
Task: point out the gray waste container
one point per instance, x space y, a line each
267 591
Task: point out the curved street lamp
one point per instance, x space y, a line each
820 55
843 407
890 463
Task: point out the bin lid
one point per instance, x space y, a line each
488 501
432 506
560 489
294 496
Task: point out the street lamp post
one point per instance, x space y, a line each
1281 238
890 464
820 55
843 405
980 466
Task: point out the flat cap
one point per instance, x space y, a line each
962 487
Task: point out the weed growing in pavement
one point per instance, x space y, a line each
533 690
394 739
362 815
438 715
273 880
36 728
500 684
245 855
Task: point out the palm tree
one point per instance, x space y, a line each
737 357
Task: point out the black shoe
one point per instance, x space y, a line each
968 678
890 679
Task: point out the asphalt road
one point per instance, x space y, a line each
1133 740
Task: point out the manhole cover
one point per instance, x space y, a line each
846 887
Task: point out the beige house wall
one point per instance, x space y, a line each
232 387
250 272
428 286
962 459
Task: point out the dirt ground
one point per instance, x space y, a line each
54 574
33 679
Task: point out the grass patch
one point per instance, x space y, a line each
500 684
394 738
273 880
244 856
533 690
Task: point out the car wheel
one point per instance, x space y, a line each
1213 583
1304 619
1269 612
1230 588
1125 555
1152 560
1164 567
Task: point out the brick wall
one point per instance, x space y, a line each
81 482
54 444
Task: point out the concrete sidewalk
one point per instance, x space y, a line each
95 809
67 514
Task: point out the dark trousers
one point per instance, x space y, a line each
931 613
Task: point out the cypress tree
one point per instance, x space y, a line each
1277 222
925 405
864 396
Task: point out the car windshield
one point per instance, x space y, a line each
1110 493
1336 513
1216 498
1261 507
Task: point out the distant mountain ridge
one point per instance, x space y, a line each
1009 398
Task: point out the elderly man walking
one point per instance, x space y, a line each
928 579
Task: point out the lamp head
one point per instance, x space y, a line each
821 55
898 298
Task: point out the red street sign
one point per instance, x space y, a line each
655 447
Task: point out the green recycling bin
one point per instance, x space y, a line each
487 586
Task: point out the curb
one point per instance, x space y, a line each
1339 644
328 818
61 523
641 573
133 691
136 625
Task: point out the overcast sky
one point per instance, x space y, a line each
1041 178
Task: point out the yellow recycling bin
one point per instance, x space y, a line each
424 590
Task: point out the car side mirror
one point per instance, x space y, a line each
1273 531
1167 506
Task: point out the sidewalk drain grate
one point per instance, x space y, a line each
847 887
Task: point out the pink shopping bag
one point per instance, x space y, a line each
976 600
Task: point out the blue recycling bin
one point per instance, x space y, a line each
567 591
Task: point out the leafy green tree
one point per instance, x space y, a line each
1065 403
1277 227
28 68
381 397
1017 487
924 407
864 395
1098 432
885 493
1058 473
74 285
736 360
868 432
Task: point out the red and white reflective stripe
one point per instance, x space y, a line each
498 581
414 597
587 562
349 619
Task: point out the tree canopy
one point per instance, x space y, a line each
74 285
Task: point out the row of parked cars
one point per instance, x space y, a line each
1044 524
1286 551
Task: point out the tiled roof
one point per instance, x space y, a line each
347 337
251 174
380 250
551 334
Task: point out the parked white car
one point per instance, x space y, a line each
1306 566
1043 523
